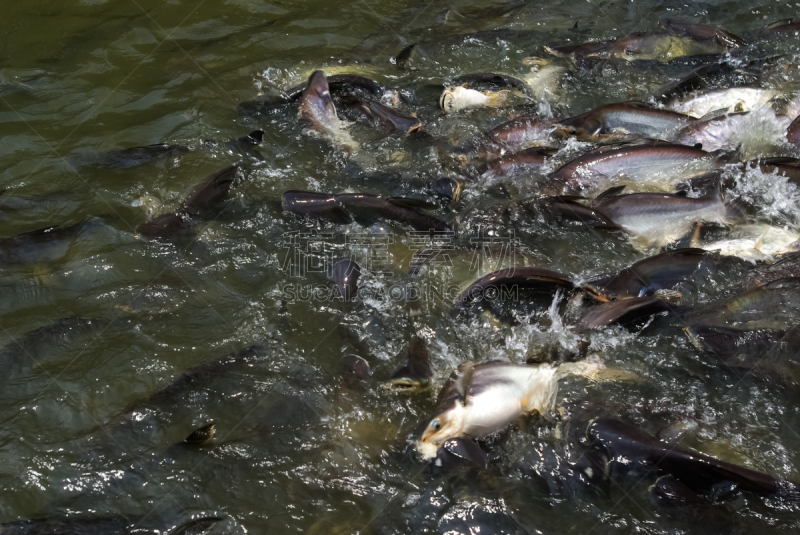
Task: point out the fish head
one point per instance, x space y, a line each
316 102
447 102
447 424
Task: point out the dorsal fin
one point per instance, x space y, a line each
610 192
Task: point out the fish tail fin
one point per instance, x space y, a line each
759 244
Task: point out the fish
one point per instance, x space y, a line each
458 98
385 119
774 305
416 372
480 399
734 99
632 452
702 33
459 452
625 118
338 83
355 370
130 157
690 510
318 114
656 219
41 245
202 201
782 27
344 275
243 146
793 132
659 46
646 277
512 136
755 243
532 160
786 266
493 285
105 525
490 79
624 312
651 164
363 207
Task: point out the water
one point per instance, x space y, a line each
297 450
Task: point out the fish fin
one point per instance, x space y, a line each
778 23
610 192
256 135
464 380
695 243
759 244
201 436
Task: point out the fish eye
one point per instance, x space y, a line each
436 425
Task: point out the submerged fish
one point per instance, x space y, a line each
702 33
531 160
42 245
318 114
654 165
480 399
656 220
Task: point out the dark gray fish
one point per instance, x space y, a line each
660 272
623 312
385 119
416 371
201 436
560 210
787 266
632 452
344 275
702 32
40 245
659 164
202 201
522 277
363 207
625 118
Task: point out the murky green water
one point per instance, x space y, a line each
297 449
